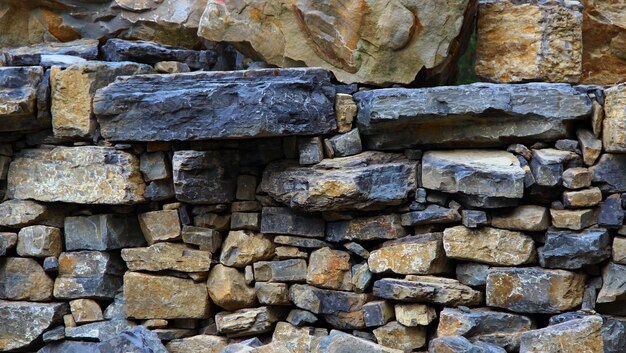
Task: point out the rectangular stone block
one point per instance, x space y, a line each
88 274
366 228
86 174
206 105
283 220
293 270
205 176
102 232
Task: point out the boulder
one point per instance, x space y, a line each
167 256
27 322
205 176
209 105
369 180
85 174
427 289
421 254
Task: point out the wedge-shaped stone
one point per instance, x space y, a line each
488 245
205 105
421 254
572 250
26 321
369 180
167 256
325 301
433 214
499 328
534 289
18 99
205 176
248 322
228 289
24 279
86 174
480 114
102 232
366 228
283 220
429 289
613 284
88 274
479 174
163 297
582 335
527 217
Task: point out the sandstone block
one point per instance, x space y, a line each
88 274
21 213
158 226
205 176
427 289
330 269
582 198
574 250
581 335
283 220
397 336
86 174
527 218
345 112
228 289
29 322
102 232
85 311
167 256
24 279
385 226
170 297
241 248
412 315
418 254
39 241
574 219
576 178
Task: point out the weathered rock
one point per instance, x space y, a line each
325 301
21 213
499 328
205 176
361 277
427 289
613 127
227 288
299 317
151 53
310 150
619 250
344 145
69 346
18 89
534 290
248 322
167 256
369 180
208 343
85 311
574 219
611 214
330 269
419 254
460 344
132 340
154 166
86 174
241 248
475 218
581 335
489 245
205 238
245 221
550 48
72 91
7 242
24 279
39 241
613 288
297 340
611 331
574 250
158 226
472 274
205 105
590 145
293 270
479 114
433 214
102 232
246 187
283 220
170 297
608 172
88 274
33 54
547 165
171 67
26 321
378 313
361 46
306 243
395 335
583 198
576 178
386 226
272 293
480 174
345 112
414 314
338 342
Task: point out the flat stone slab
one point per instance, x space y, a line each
86 174
427 289
32 55
480 114
208 105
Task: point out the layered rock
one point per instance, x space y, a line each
88 274
574 250
167 256
581 335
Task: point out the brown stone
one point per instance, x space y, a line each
297 340
345 112
85 310
248 322
527 218
415 314
397 336
199 343
574 219
21 213
24 279
427 289
228 289
577 178
272 293
418 254
614 125
591 146
330 269
163 297
167 256
242 247
39 241
582 198
160 226
581 336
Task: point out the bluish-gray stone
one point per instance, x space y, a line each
283 220
151 53
608 173
103 232
573 250
32 55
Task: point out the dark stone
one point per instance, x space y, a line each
428 289
205 105
567 145
283 220
88 274
27 321
547 166
433 214
31 55
19 90
55 334
386 226
609 174
480 114
205 176
299 317
292 270
159 190
474 218
347 144
310 150
98 331
568 249
151 53
136 340
300 242
611 213
103 232
7 242
460 344
325 301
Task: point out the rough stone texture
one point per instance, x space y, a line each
39 241
283 220
158 226
357 41
85 311
18 93
480 114
378 313
205 176
325 301
205 238
428 289
167 256
25 322
460 344
614 122
574 219
217 105
366 228
395 335
72 91
198 343
582 198
227 288
88 274
608 172
534 290
339 342
310 150
170 297
433 214
33 55
369 180
7 242
24 279
272 293
574 250
415 314
102 232
247 322
241 248
581 335
21 213
293 270
590 145
612 284
85 174
529 41
421 254
527 218
153 53
330 269
576 178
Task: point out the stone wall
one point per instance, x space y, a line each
152 202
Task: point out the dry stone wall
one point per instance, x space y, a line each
151 202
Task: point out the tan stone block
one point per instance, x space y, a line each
614 124
582 198
160 226
167 256
397 336
330 269
574 219
85 310
242 247
527 218
228 288
415 314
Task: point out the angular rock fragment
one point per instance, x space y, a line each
325 301
472 274
613 127
369 180
154 166
475 218
608 172
345 112
613 284
206 105
329 269
534 290
242 248
574 219
283 220
248 322
590 145
310 150
197 344
18 92
133 340
414 314
27 322
151 53
480 114
167 256
306 243
88 274
344 145
378 313
418 254
272 293
611 214
550 48
338 342
489 245
293 270
227 288
205 238
85 174
21 213
102 232
295 339
24 279
205 176
39 241
397 336
170 297
527 218
433 214
583 198
159 226
436 290
386 226
547 165
85 311
299 317
574 250
581 335
361 277
576 178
